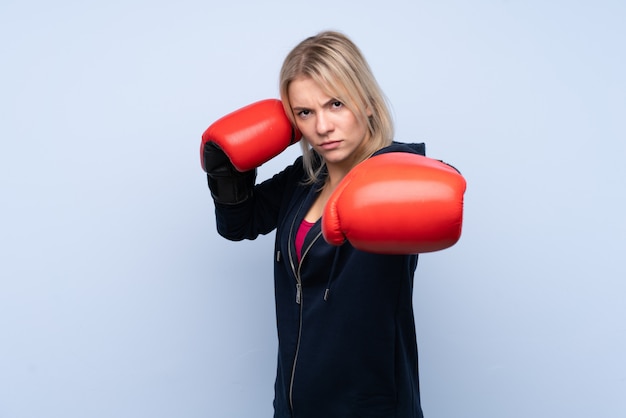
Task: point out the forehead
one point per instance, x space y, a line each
304 89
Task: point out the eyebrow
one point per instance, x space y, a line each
327 103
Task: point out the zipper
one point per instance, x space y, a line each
299 298
295 359
299 301
297 271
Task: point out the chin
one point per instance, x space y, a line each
334 159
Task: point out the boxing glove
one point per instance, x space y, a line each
396 203
235 145
251 135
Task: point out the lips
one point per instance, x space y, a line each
329 145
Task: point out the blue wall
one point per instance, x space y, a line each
117 297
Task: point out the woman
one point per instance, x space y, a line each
347 345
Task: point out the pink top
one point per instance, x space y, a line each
304 228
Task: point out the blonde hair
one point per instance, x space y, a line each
337 65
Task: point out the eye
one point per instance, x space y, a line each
303 114
336 104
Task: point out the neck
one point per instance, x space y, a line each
335 175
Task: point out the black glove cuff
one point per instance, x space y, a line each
232 188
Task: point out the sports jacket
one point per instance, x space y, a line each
346 333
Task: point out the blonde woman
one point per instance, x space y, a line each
347 344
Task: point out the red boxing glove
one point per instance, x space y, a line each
396 203
251 135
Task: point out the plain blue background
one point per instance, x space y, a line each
119 300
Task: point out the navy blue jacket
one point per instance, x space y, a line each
346 332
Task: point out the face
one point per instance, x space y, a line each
327 124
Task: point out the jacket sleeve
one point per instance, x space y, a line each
259 214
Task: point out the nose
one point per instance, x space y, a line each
323 123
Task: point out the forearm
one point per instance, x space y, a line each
240 221
261 212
